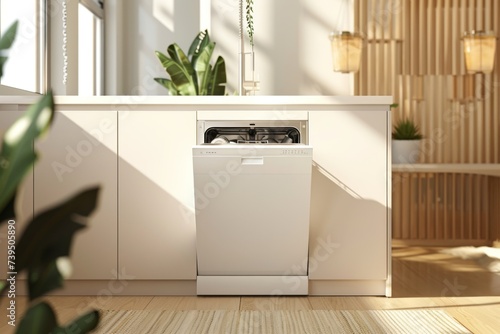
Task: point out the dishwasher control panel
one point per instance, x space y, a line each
246 150
295 151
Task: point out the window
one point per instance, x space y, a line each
25 69
90 48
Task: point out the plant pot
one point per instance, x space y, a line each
405 151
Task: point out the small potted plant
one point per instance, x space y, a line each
406 138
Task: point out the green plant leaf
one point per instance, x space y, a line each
176 53
198 48
43 279
406 129
48 236
8 211
202 68
6 42
168 84
197 77
83 324
181 78
17 154
198 44
217 84
9 36
39 318
180 70
249 18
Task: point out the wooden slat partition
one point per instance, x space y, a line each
495 86
494 212
442 208
414 52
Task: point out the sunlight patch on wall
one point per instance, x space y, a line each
224 31
163 11
317 20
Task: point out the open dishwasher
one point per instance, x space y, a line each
252 199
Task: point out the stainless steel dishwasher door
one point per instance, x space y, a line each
252 209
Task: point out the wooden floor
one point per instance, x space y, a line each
422 279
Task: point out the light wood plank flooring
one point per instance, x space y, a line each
423 278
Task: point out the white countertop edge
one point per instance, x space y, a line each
252 115
491 169
206 100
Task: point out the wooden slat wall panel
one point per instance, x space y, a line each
495 87
414 53
439 207
494 212
417 43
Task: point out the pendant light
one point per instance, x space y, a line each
479 49
346 45
346 51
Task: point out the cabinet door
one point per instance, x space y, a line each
80 151
349 208
24 197
157 233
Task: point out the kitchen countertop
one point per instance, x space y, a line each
211 102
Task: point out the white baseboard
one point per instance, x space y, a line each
252 285
348 288
216 285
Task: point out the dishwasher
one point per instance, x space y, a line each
252 201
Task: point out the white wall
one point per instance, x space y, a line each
292 48
147 26
293 55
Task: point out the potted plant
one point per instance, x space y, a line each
41 251
195 76
406 138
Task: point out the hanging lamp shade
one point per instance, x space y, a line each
479 49
346 51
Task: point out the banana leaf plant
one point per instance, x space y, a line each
45 243
5 43
195 76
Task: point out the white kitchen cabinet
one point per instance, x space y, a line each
157 235
139 150
80 151
349 238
